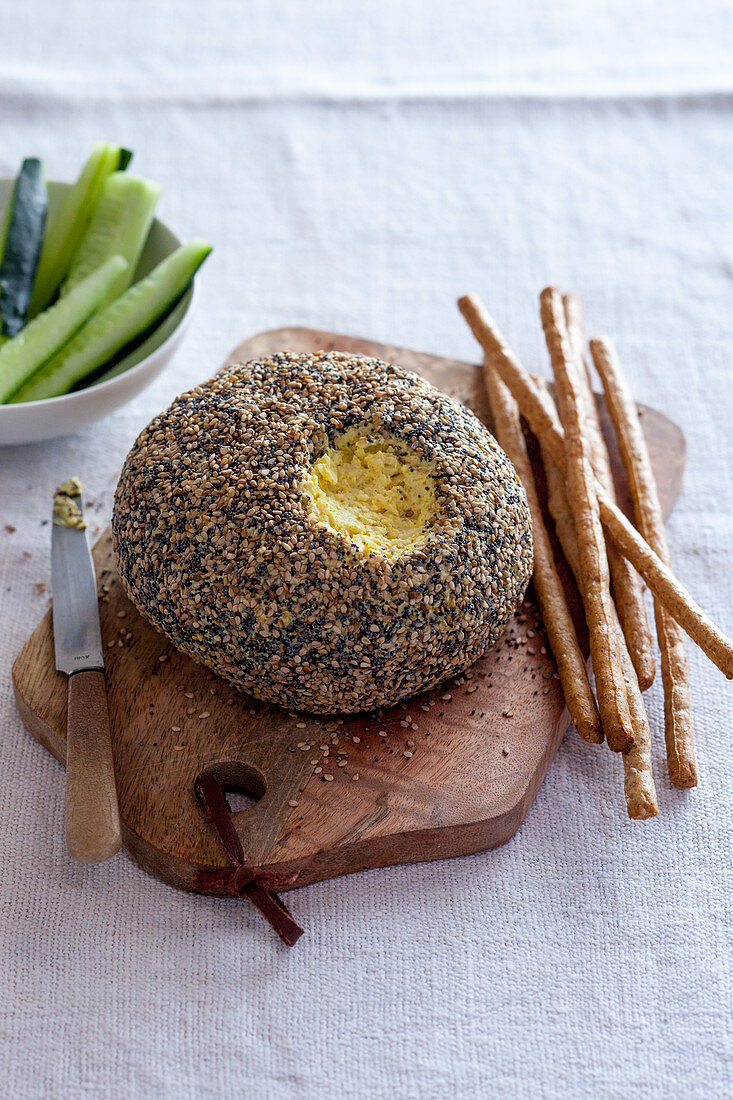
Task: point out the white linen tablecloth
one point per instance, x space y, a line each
356 168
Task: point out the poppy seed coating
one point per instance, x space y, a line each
216 543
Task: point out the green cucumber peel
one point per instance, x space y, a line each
5 224
23 230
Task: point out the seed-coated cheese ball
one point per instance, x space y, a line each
327 532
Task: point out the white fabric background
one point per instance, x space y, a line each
357 167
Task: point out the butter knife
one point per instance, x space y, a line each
92 815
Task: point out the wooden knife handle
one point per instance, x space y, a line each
92 815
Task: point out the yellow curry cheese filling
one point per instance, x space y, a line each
370 489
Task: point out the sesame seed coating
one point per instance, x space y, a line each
216 545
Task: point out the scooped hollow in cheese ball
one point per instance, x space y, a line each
327 532
373 491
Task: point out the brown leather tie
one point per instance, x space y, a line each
246 881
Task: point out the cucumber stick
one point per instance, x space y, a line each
119 227
118 325
23 228
68 226
22 356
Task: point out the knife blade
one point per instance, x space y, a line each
77 638
92 815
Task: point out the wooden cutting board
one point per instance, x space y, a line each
453 772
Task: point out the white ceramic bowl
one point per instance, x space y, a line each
35 421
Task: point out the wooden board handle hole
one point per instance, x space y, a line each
243 785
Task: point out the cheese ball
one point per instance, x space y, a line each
327 532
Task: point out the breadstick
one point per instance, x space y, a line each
576 331
639 789
662 582
675 670
557 497
548 586
667 589
641 795
513 375
594 577
625 584
573 310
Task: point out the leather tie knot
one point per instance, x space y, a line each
240 879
